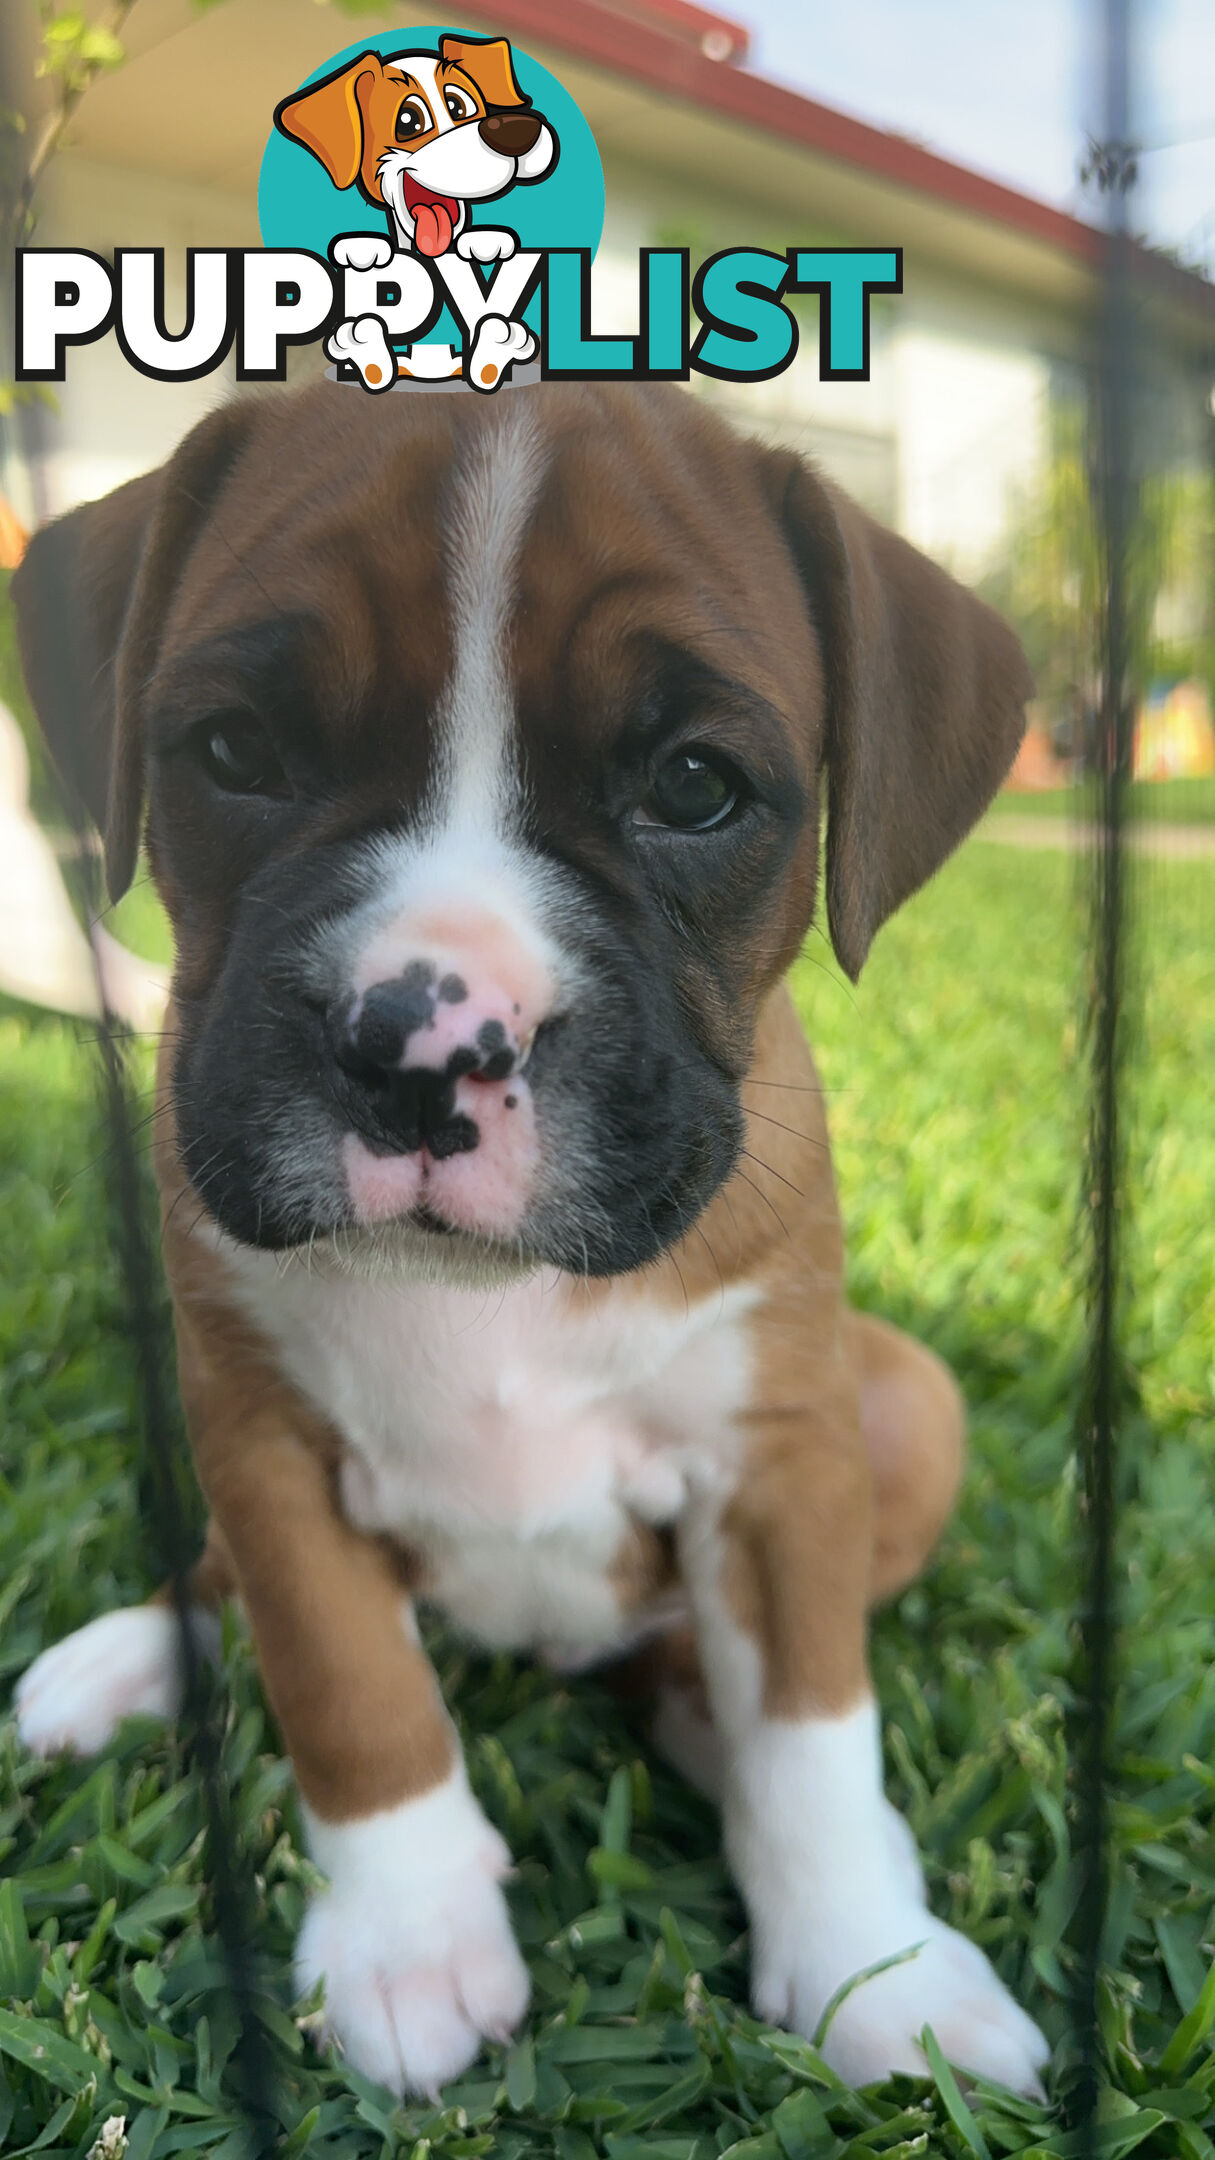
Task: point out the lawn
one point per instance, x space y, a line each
956 1104
1176 802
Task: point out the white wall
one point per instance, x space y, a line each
111 422
973 393
952 426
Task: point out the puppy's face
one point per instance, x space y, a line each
482 750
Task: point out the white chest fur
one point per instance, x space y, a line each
512 1436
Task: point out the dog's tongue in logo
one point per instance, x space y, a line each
434 216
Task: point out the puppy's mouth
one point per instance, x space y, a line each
434 216
416 1247
424 1218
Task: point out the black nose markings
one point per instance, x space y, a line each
496 1055
400 1106
391 1012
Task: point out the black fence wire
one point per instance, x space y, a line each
1102 1395
227 1869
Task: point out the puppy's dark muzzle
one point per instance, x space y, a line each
513 133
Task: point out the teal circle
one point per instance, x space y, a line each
299 207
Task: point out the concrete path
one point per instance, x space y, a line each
1181 843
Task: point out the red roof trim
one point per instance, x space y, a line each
678 18
660 62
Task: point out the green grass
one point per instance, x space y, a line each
954 1089
1177 802
140 922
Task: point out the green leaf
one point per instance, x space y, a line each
1110 2140
20 1960
802 2129
617 1812
47 2053
151 1914
149 1982
94 1942
101 49
122 1862
955 2106
65 29
1192 2030
299 2139
70 2119
618 1870
671 2099
521 2076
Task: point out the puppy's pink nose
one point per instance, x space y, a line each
431 979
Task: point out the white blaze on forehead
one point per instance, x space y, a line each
424 69
458 886
496 494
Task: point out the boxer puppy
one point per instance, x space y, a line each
481 749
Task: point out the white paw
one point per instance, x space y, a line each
948 1984
413 1939
833 1885
363 343
362 251
904 1854
496 347
125 1664
484 243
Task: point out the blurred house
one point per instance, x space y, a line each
990 330
1175 734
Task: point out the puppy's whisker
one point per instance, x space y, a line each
758 1160
795 1087
106 1155
808 1139
721 1281
761 1195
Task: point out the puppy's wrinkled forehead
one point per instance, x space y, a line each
435 578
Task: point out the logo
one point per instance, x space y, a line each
430 204
461 162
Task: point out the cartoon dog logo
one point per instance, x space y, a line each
422 135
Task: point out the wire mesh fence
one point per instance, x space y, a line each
1118 460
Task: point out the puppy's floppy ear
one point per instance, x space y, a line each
926 689
327 118
90 598
488 61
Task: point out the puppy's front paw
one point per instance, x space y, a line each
484 243
413 1939
124 1664
947 1984
362 251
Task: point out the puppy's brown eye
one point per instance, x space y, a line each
459 106
413 119
239 756
692 792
